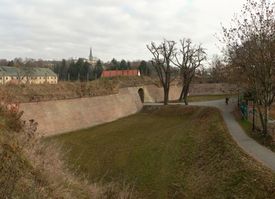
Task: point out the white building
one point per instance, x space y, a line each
23 75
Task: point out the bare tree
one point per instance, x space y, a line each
24 69
188 59
162 55
218 71
251 49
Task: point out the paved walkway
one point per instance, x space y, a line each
249 145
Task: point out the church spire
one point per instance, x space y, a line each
91 54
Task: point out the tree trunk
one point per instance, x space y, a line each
181 94
265 129
185 98
166 95
263 119
181 98
186 94
185 89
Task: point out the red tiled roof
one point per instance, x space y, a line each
113 73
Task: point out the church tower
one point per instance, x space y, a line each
91 55
92 60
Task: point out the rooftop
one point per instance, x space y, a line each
14 71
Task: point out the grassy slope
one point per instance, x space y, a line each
18 178
67 90
30 169
171 152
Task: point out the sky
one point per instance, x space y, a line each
121 29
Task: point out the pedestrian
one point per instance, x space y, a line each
226 100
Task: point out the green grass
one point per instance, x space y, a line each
168 152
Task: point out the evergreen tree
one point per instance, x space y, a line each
10 63
114 64
74 70
98 69
63 71
128 65
144 69
123 65
84 70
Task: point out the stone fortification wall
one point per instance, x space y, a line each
62 116
212 89
153 93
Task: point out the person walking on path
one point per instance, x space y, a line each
226 100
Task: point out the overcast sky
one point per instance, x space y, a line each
55 29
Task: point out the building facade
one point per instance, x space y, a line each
23 75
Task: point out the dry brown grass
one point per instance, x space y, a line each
30 168
68 90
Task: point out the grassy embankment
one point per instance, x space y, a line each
30 169
68 90
169 152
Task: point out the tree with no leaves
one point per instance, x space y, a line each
188 58
218 71
251 49
162 55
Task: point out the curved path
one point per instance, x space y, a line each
249 145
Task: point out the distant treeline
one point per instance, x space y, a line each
71 70
82 70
